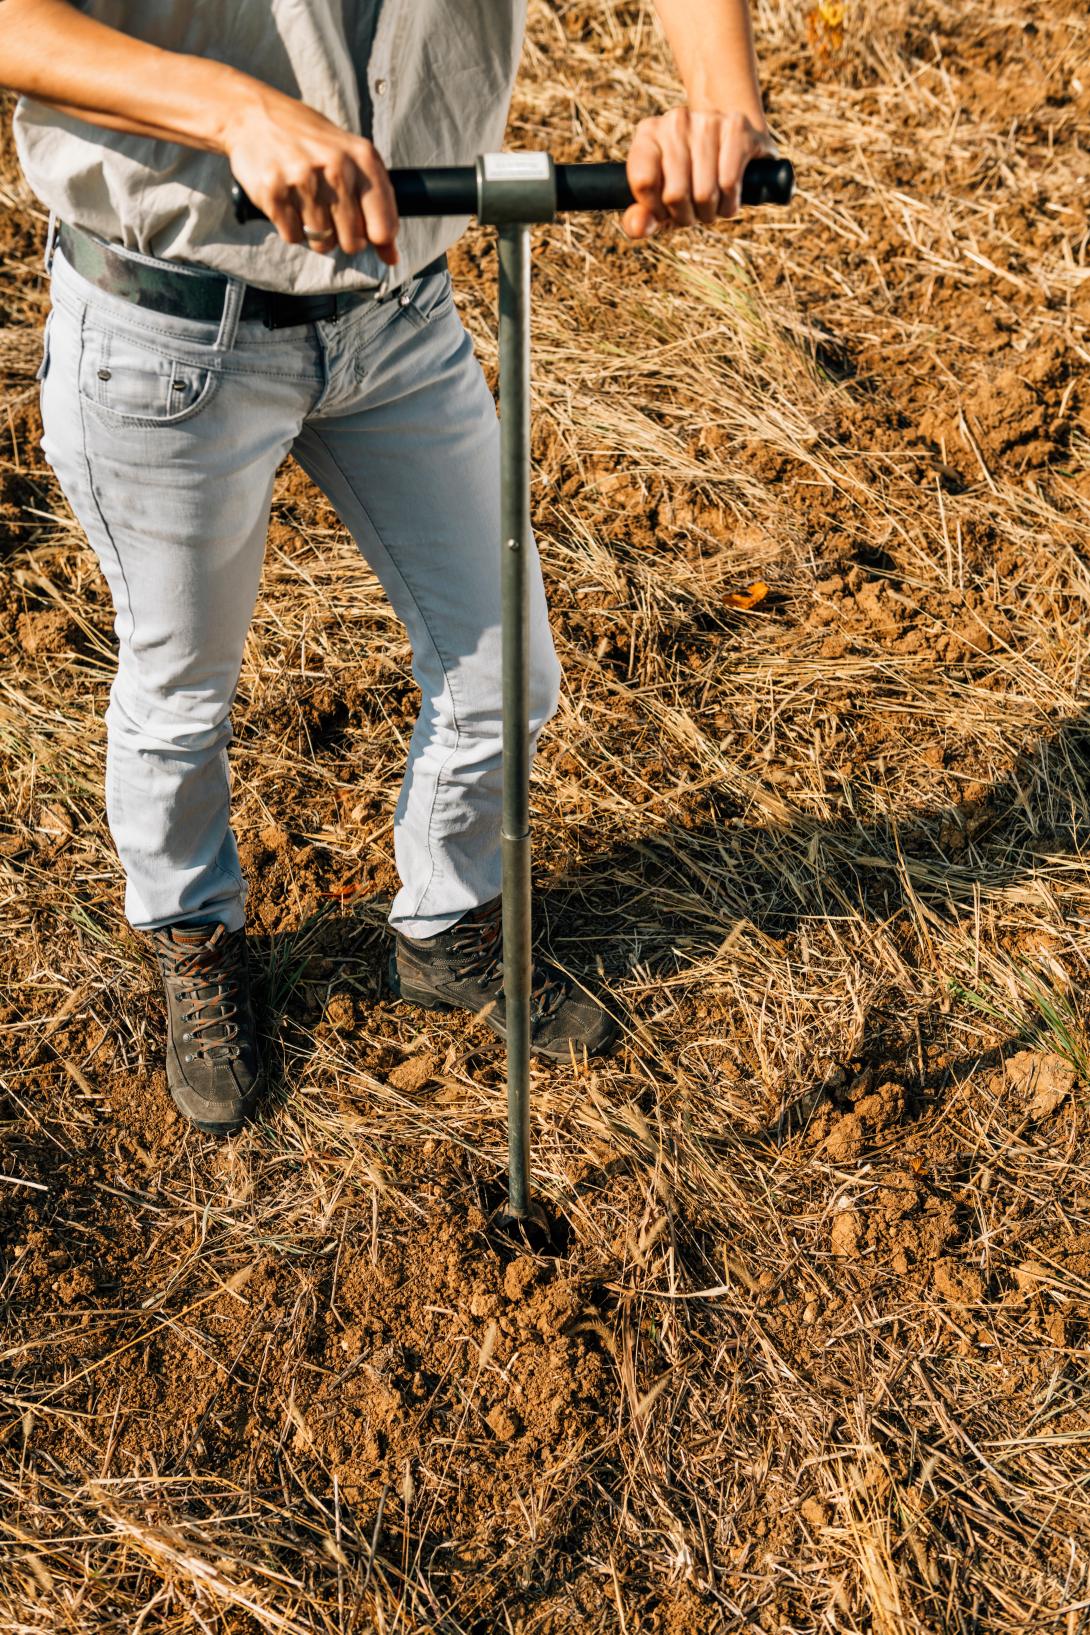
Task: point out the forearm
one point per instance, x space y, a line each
309 176
712 43
55 54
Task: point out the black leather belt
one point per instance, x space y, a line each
181 291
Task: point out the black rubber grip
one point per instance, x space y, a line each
452 190
605 187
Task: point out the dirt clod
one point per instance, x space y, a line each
504 1422
1044 1079
844 1238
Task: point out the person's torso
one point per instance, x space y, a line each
428 80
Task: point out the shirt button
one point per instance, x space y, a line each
380 87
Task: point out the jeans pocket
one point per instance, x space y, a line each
429 298
140 385
43 367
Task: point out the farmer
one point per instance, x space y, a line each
186 355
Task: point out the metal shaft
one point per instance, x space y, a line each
514 257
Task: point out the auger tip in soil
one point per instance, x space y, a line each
537 1232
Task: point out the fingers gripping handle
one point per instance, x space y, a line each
605 187
452 190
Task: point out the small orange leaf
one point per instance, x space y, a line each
343 892
745 599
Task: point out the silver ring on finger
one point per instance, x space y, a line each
312 233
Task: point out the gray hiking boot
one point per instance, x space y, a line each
212 1060
462 969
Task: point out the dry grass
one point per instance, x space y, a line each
829 1264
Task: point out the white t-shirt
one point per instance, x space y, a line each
433 78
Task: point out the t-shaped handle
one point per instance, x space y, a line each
461 190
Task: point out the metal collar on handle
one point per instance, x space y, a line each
515 187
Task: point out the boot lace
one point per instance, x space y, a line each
477 944
208 979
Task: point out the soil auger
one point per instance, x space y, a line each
514 192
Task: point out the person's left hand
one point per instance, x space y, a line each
685 167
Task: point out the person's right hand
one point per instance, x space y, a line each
318 184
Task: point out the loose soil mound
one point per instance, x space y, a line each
807 1349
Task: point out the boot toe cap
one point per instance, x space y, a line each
220 1105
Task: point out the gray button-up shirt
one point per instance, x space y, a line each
432 77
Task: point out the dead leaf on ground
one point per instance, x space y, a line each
746 599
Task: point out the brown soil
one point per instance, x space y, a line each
807 1350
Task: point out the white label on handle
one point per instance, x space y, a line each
516 167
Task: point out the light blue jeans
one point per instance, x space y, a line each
165 434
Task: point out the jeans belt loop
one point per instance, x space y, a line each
51 240
232 310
